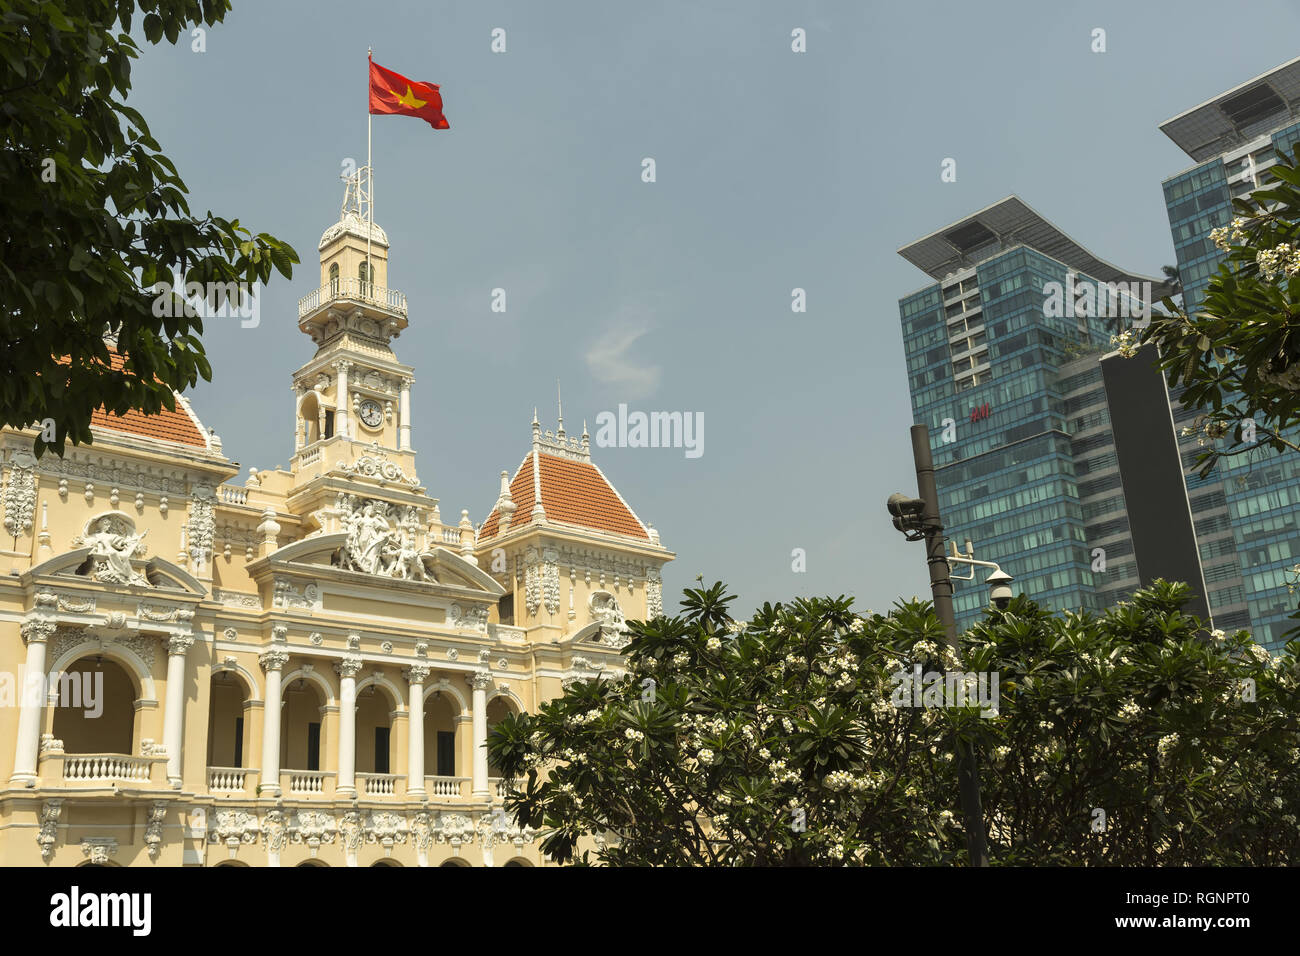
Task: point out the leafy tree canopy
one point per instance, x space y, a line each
1133 737
1238 356
93 215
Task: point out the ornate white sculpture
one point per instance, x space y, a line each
374 546
98 849
453 828
551 581
201 528
472 618
233 826
604 608
20 494
386 828
312 827
113 543
654 594
153 838
48 835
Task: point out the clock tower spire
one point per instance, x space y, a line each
353 392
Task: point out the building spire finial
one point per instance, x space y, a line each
559 401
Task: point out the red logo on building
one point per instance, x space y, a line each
979 412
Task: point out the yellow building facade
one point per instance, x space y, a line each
299 667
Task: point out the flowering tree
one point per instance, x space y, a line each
794 739
1238 358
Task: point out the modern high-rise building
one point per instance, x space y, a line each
1020 413
1233 138
1011 389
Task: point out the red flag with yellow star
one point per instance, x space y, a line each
392 93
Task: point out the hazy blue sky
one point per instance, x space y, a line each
775 170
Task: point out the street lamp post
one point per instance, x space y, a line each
918 519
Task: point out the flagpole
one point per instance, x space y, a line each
370 175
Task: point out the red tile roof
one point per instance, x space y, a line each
573 492
177 426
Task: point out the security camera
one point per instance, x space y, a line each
999 584
907 514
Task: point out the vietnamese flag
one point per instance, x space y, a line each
392 93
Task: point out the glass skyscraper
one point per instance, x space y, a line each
1012 396
1019 420
1233 138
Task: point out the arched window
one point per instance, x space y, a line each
366 273
334 278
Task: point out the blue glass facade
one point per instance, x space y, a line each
983 367
1260 492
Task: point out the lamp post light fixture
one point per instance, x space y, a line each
918 519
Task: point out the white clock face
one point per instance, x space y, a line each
371 413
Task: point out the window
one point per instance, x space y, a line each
313 746
329 423
334 277
446 753
506 609
382 737
239 741
366 273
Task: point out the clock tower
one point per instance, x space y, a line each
354 391
352 422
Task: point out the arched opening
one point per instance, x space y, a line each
375 749
240 863
95 708
334 279
366 273
302 737
440 741
454 861
312 863
309 418
385 863
228 730
518 861
497 709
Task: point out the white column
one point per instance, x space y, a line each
273 663
404 416
178 646
347 671
341 400
28 748
478 682
416 676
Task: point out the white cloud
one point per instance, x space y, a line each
613 361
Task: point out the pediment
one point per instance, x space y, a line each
439 567
156 572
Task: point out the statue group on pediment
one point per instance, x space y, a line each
113 543
375 546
